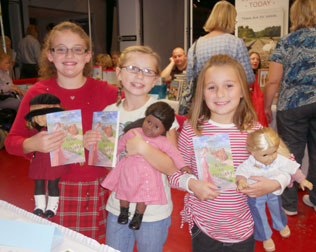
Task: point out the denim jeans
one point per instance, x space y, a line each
297 127
258 210
150 237
203 243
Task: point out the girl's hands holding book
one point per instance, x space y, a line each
203 190
91 137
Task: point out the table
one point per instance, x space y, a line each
73 240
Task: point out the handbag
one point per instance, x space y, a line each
188 89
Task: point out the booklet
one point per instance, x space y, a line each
214 160
71 150
104 152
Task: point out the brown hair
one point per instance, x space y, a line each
130 51
245 115
4 56
223 18
303 14
265 138
104 59
47 68
259 65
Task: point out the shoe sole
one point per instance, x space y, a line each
289 213
307 202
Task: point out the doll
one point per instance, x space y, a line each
133 179
40 166
269 158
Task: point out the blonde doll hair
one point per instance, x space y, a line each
302 14
245 115
265 138
104 59
223 18
128 52
47 68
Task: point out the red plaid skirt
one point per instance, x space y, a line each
82 208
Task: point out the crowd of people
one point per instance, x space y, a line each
216 100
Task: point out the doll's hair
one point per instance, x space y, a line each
130 51
161 111
47 69
245 115
42 99
265 138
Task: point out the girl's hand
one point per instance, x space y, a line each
91 137
135 145
186 169
261 187
18 90
268 113
44 142
203 190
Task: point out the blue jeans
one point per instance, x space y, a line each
150 237
258 210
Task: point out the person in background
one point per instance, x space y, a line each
28 53
64 70
11 52
220 219
115 55
10 94
255 62
219 40
292 64
177 65
104 60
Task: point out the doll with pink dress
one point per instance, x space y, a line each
134 179
41 169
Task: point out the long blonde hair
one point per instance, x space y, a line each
47 69
303 14
265 138
134 49
245 115
223 18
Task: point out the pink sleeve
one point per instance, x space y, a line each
298 176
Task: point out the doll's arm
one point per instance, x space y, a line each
306 184
241 182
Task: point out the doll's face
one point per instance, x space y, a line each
153 127
266 157
41 119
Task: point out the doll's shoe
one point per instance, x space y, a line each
49 214
38 212
123 217
268 245
286 232
308 202
136 221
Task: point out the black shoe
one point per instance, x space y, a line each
38 212
49 214
123 217
136 221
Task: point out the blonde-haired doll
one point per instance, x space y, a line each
271 159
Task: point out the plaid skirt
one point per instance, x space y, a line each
82 208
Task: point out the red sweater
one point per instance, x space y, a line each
92 96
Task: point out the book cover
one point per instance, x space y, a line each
214 160
104 152
71 150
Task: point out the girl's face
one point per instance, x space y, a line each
222 93
69 63
137 84
153 127
254 60
266 157
5 64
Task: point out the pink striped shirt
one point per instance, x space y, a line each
227 218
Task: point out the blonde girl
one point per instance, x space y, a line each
220 220
137 73
103 60
64 70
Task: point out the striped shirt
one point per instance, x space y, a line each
227 218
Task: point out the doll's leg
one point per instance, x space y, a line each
123 217
39 197
53 198
138 216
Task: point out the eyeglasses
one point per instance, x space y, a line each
136 70
78 50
